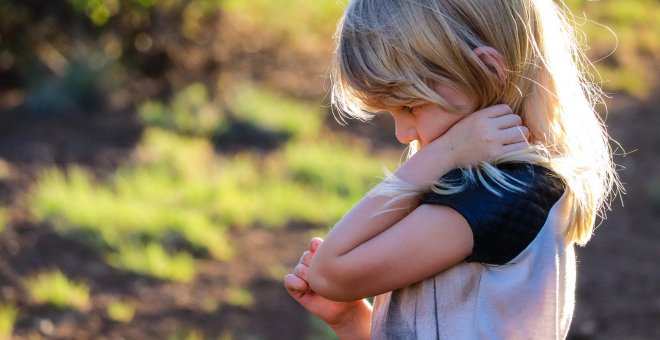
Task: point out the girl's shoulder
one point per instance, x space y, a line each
503 221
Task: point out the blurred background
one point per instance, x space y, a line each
163 165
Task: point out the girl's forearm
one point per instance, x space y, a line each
429 163
367 220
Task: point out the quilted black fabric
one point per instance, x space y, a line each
503 226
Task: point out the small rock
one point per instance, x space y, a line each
46 327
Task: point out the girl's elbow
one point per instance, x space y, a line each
330 286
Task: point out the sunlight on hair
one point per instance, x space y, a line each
392 53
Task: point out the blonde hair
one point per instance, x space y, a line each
391 53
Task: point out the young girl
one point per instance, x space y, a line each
472 237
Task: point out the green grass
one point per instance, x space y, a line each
305 25
8 316
189 112
210 305
636 27
153 260
3 219
271 110
277 271
320 164
120 311
186 334
55 289
239 297
169 193
4 174
181 188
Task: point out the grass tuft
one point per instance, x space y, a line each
273 111
189 112
154 261
189 334
3 219
55 289
8 316
121 311
239 297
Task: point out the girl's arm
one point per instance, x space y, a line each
349 320
368 253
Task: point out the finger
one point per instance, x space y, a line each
497 110
507 121
306 258
296 286
301 271
514 147
518 134
315 244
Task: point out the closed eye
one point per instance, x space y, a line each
409 109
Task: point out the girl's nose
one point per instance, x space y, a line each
404 131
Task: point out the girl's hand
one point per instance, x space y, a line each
333 313
485 135
482 136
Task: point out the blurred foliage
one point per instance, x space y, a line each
239 297
152 260
121 311
166 197
3 219
189 112
623 40
8 316
55 289
308 25
4 169
187 334
75 55
273 111
179 192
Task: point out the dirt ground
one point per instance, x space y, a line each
618 293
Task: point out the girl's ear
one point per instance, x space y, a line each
493 60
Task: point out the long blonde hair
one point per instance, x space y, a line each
391 53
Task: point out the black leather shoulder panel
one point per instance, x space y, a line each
503 226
